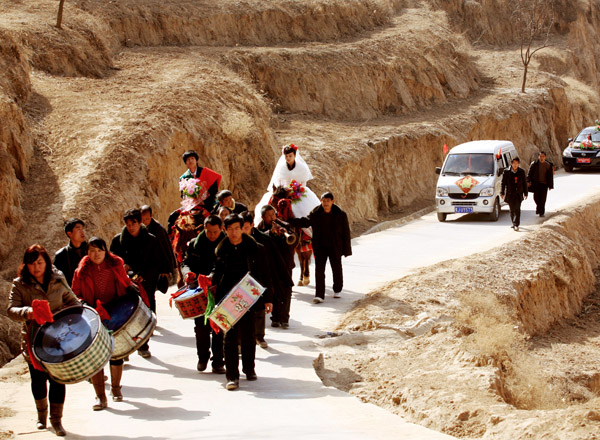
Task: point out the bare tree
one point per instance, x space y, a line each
533 21
61 4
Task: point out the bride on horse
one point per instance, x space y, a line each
292 173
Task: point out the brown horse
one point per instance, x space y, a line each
282 202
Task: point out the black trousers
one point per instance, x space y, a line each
540 193
259 324
321 256
39 388
242 331
208 341
150 289
281 305
515 211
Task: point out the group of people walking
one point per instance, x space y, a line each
197 242
516 185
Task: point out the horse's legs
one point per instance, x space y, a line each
305 266
299 253
179 276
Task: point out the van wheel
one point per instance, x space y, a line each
495 214
442 216
568 168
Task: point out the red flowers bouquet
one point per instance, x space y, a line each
296 191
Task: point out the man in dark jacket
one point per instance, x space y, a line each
280 281
141 253
67 258
540 179
200 260
514 190
164 244
331 240
237 255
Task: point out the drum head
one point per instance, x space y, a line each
120 310
71 333
189 293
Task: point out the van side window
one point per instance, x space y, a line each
499 164
506 160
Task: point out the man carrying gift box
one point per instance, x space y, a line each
237 255
199 260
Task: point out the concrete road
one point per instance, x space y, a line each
166 398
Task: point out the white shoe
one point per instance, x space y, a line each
337 294
318 300
516 228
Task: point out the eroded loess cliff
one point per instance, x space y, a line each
16 147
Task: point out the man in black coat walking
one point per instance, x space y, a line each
67 258
514 190
237 255
164 244
140 252
540 179
200 260
331 240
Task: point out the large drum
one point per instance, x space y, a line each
236 303
75 346
131 322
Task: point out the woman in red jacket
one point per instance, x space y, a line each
100 276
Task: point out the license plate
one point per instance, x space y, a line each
463 210
583 160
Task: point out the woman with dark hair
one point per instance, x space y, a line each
39 280
101 277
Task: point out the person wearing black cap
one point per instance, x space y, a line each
208 177
67 258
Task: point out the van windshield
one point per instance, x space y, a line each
474 164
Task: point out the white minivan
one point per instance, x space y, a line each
471 177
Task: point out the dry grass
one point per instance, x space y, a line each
494 338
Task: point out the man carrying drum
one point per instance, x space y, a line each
237 255
199 260
40 291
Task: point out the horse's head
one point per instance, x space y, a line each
284 209
281 192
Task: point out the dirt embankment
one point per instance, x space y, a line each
493 378
16 143
362 79
231 23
